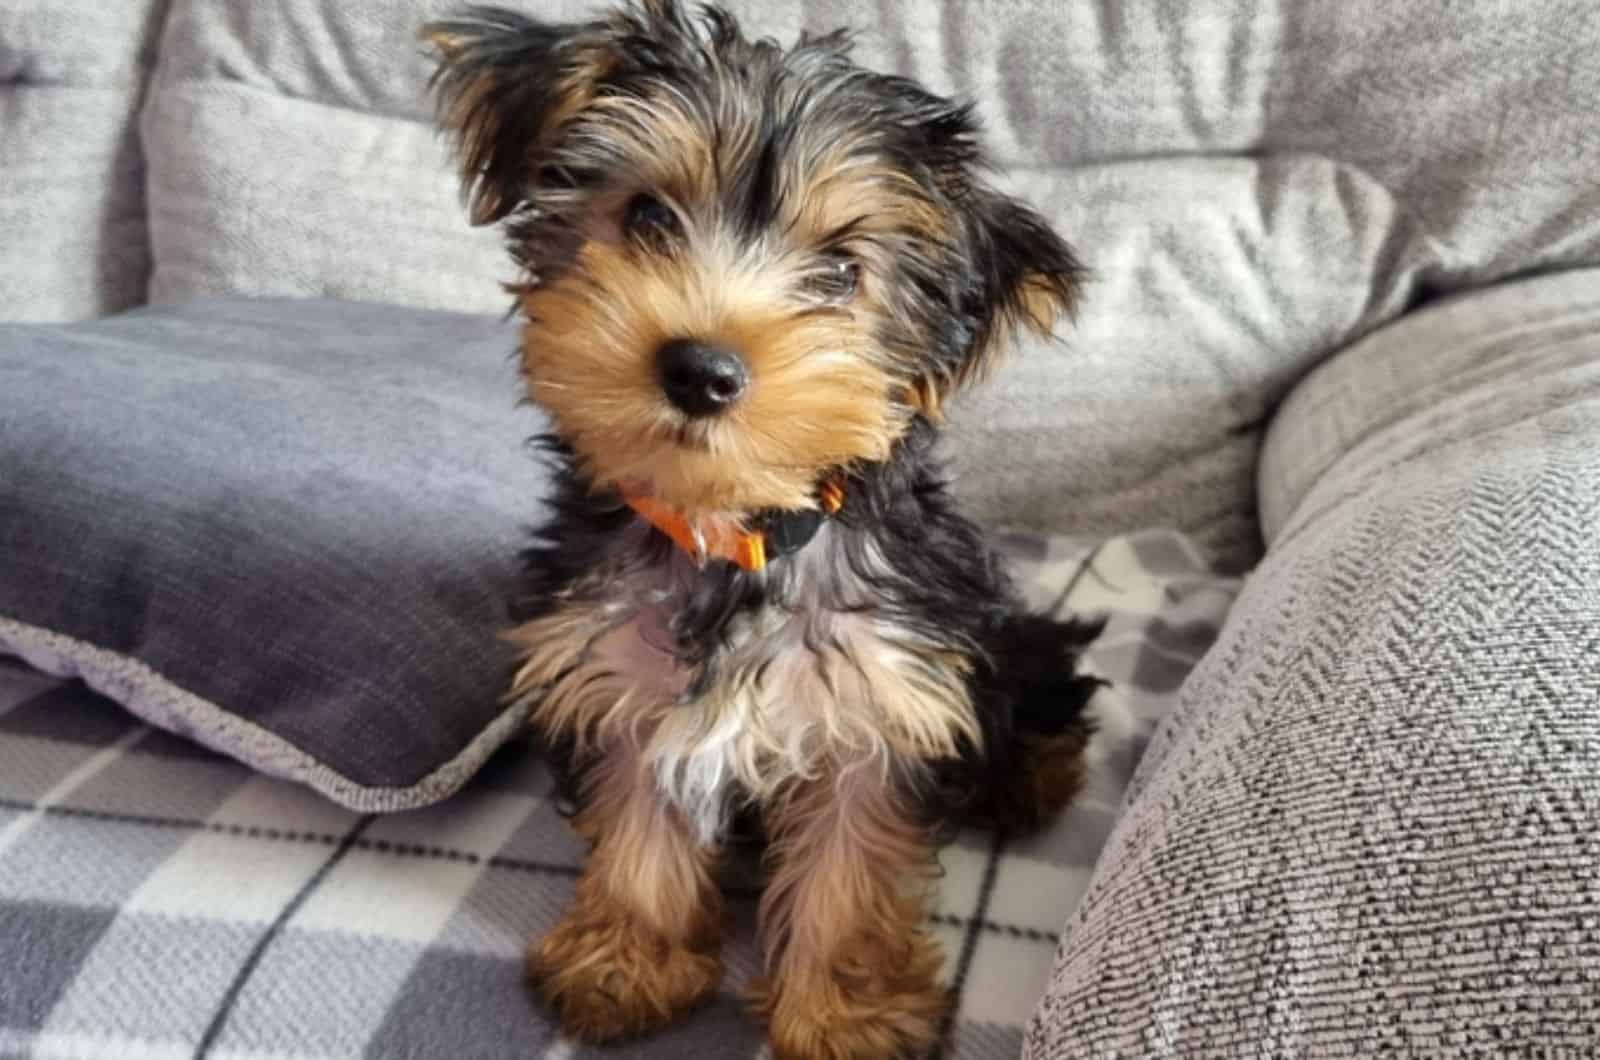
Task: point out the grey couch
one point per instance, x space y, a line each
1344 329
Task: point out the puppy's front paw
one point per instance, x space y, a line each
879 1011
608 976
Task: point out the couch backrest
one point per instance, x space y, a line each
72 217
1254 184
292 152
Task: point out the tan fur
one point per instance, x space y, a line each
775 708
837 182
823 393
447 45
554 642
816 397
926 395
672 151
590 671
853 974
1051 774
640 943
1040 308
879 698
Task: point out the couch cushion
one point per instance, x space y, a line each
286 529
291 153
71 76
1371 822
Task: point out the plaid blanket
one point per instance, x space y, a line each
158 901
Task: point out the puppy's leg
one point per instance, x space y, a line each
640 943
853 973
1034 783
1032 776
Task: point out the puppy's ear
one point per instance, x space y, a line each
505 85
1015 273
1028 275
1019 276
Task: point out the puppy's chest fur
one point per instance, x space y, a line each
733 685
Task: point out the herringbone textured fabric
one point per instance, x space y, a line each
1373 823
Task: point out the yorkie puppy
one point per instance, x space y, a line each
752 277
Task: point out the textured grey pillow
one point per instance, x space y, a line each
286 529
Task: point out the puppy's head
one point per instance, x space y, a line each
745 265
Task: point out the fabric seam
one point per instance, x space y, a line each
148 695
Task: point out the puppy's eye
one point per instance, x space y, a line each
836 278
648 219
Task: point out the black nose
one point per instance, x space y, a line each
699 378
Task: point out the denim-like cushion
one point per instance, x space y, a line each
287 529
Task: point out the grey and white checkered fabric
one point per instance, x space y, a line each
159 901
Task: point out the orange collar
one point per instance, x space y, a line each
759 540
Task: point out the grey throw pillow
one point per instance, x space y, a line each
286 529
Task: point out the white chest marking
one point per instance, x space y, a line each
800 686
